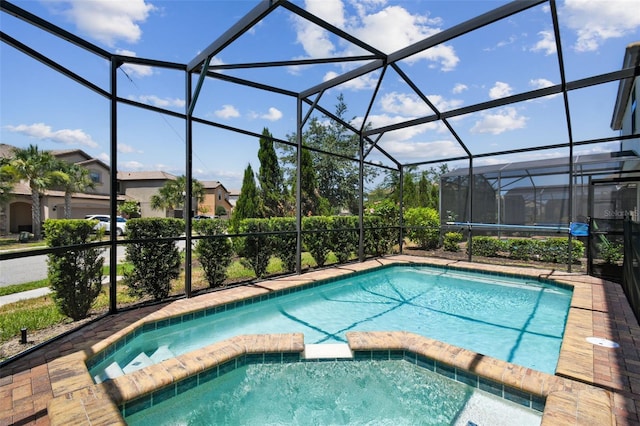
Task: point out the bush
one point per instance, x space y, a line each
451 240
522 248
379 236
486 246
214 251
284 245
423 226
344 242
75 275
611 252
555 250
317 243
155 263
256 248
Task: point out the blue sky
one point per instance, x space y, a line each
514 55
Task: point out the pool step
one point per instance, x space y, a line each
111 372
162 353
140 361
327 351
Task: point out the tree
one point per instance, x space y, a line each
73 178
130 209
8 179
171 195
337 177
311 203
270 178
248 204
38 168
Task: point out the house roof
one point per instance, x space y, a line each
149 175
213 184
631 59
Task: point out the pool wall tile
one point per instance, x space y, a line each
186 384
163 394
137 405
207 375
491 386
445 370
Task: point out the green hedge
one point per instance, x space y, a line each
423 226
554 250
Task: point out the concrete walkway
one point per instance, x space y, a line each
31 294
24 295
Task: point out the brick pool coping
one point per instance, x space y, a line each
591 382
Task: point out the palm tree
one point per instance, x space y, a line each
171 195
39 169
74 178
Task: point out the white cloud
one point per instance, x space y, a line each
274 114
64 136
500 90
159 102
503 120
546 44
416 151
133 165
540 83
388 29
459 88
135 70
364 82
103 156
394 28
410 105
596 21
512 39
109 21
227 111
127 149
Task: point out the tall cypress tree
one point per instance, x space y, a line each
270 178
248 204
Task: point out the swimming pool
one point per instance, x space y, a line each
519 320
393 392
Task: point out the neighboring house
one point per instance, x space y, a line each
626 114
216 195
16 216
140 186
234 194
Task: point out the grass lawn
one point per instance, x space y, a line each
41 313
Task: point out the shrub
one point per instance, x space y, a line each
155 263
214 251
256 248
75 275
451 240
423 226
317 243
344 240
486 246
611 252
522 248
284 245
379 237
555 250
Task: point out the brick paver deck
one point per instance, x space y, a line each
596 382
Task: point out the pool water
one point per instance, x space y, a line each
342 392
516 320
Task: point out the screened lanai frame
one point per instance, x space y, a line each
201 68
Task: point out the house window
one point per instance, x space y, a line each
219 195
95 176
